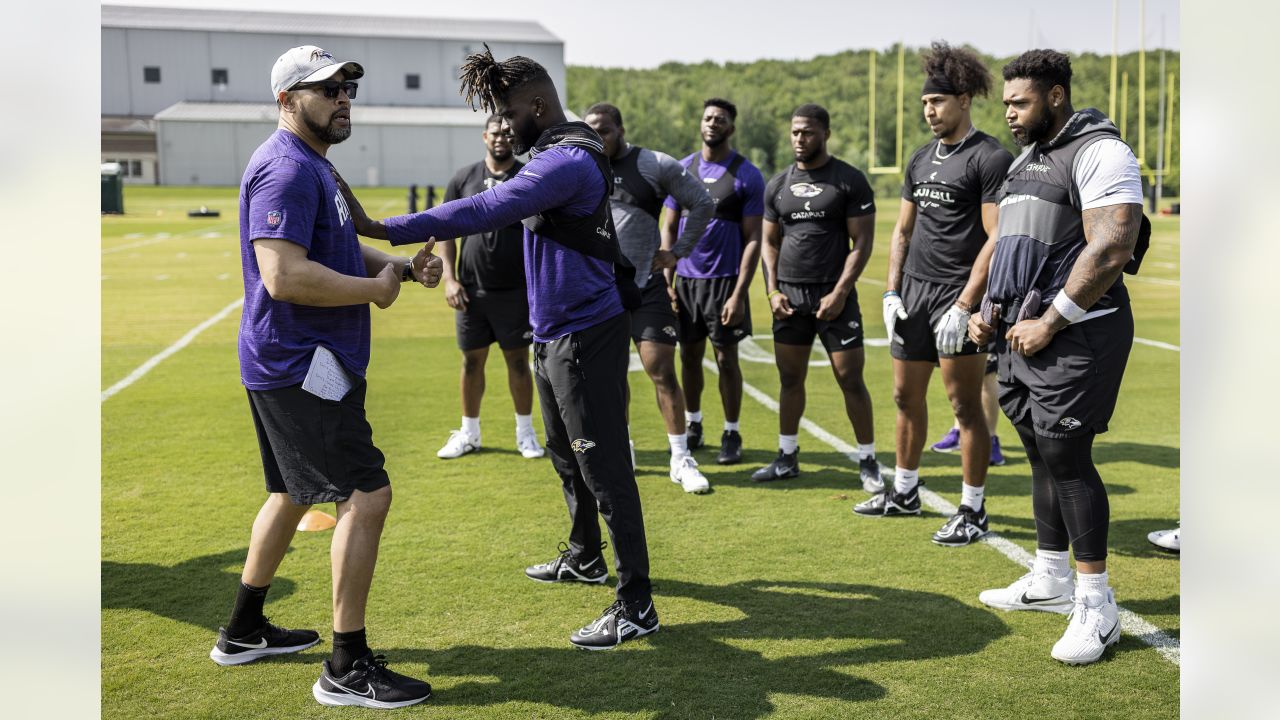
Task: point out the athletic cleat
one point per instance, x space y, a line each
567 568
949 442
369 684
620 622
1170 540
869 472
1033 591
685 473
266 640
997 457
527 444
963 528
459 443
1094 624
890 503
730 448
694 435
783 466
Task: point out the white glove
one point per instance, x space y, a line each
951 330
893 312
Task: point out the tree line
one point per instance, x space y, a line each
662 107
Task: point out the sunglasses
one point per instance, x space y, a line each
331 88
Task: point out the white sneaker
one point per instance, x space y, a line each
460 443
684 472
1094 624
1170 540
527 444
1033 591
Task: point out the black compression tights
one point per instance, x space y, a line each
1067 495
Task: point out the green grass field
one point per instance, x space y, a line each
776 601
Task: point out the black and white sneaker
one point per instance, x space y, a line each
369 684
889 503
567 568
730 448
693 437
869 473
783 466
266 640
964 527
619 623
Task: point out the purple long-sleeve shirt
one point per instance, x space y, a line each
568 291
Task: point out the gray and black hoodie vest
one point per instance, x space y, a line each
1041 232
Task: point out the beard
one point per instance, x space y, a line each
805 156
331 133
500 154
714 143
1037 131
524 137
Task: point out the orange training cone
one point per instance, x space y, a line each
316 521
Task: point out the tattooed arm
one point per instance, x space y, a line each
1110 233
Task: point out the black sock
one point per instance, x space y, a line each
246 616
348 647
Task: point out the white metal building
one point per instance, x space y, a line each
186 94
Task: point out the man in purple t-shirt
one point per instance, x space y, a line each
712 282
578 282
304 348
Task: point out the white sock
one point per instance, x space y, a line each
692 416
866 451
1052 562
730 426
679 445
524 423
1092 582
471 426
788 443
905 480
971 496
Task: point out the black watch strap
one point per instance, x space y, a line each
406 273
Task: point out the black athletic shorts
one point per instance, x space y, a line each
843 333
701 300
654 320
316 450
1070 387
925 302
500 316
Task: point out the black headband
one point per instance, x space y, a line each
938 84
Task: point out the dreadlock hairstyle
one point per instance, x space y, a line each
1044 68
960 66
603 108
487 81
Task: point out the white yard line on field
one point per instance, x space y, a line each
165 237
160 357
1167 646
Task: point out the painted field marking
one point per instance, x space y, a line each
1167 646
160 357
162 237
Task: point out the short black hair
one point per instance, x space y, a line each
815 112
494 119
961 66
604 108
724 105
488 81
1044 68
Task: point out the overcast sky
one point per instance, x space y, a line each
648 33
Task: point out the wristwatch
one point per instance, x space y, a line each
406 274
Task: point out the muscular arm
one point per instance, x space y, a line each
862 230
751 234
291 277
769 250
1110 234
899 242
971 295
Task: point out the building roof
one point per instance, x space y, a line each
306 24
360 114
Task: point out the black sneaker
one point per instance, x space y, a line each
730 448
266 640
889 503
619 623
567 568
694 435
963 528
369 684
783 466
869 472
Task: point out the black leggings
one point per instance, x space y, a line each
1067 495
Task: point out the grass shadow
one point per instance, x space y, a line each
1164 456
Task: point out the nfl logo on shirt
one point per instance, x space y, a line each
273 218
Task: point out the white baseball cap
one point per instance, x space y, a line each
308 64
